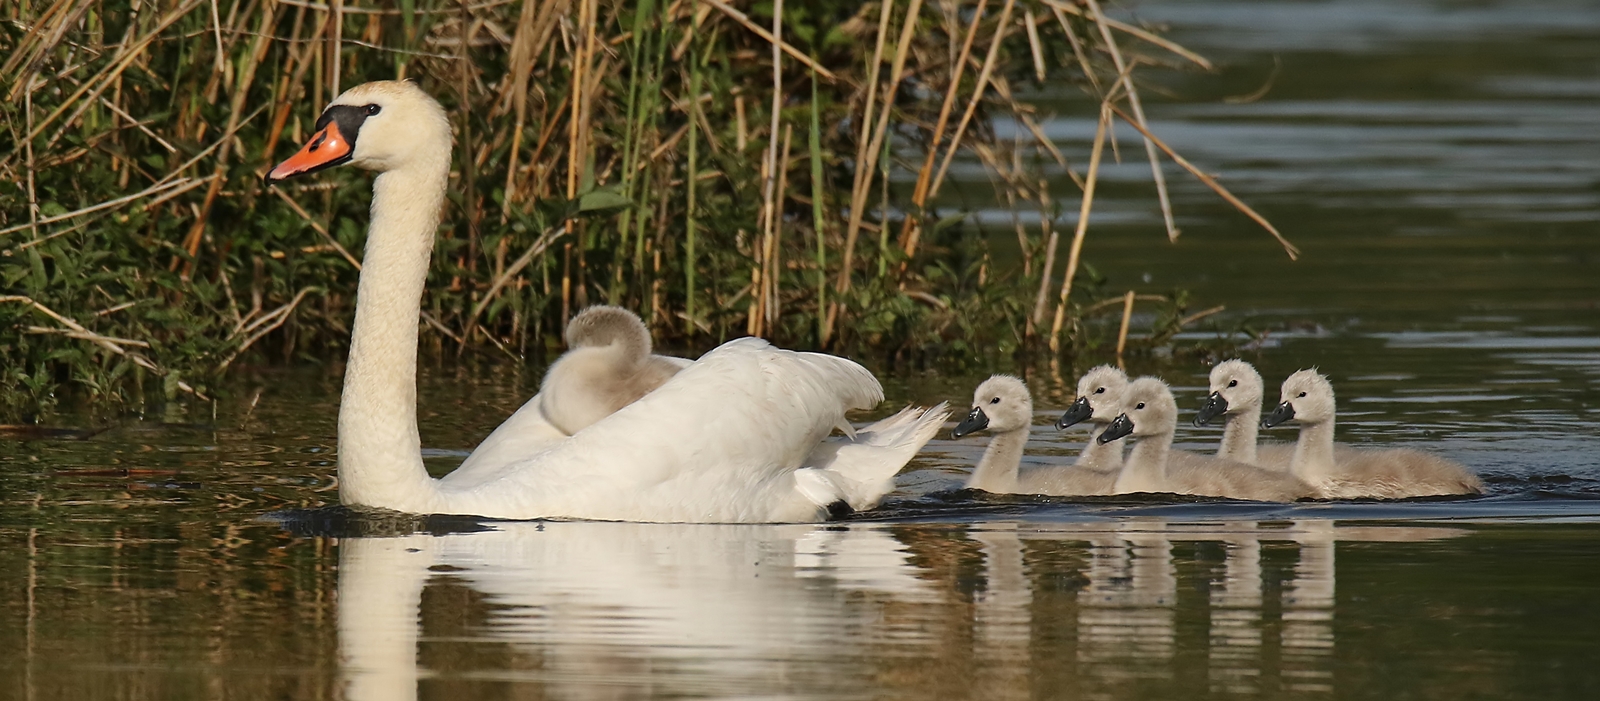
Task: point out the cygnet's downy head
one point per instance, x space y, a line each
1099 396
1147 410
1001 404
1235 388
383 125
1307 397
604 326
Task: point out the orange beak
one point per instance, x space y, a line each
327 148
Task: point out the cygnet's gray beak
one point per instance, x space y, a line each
976 421
1284 412
1120 426
1215 406
1079 412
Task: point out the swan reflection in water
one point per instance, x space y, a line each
591 610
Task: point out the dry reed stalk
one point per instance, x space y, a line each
861 180
775 37
219 175
858 197
1122 334
919 194
1083 227
1077 50
966 117
126 54
97 339
335 45
1053 240
1032 25
774 256
739 135
1289 248
1061 8
523 55
1126 72
1201 315
1104 304
770 205
539 246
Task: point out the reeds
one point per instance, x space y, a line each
635 153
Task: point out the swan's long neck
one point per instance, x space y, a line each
1313 452
380 455
997 470
1145 469
1239 433
1104 456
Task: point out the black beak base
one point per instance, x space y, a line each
1284 412
1120 426
1079 412
976 421
1215 406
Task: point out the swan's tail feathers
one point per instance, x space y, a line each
861 471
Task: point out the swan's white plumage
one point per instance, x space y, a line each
722 441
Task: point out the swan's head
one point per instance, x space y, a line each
1235 388
604 326
1099 396
1148 409
1001 404
1307 397
384 125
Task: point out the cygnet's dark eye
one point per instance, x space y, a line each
996 400
1140 406
1302 395
373 109
1233 383
1101 390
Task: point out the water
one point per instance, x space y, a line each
1438 164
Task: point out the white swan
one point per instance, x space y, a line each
608 365
1150 417
738 436
1345 473
1099 401
1003 406
1236 391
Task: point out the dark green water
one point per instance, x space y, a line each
1439 164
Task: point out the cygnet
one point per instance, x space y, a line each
1149 419
1395 473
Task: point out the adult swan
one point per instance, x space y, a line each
738 436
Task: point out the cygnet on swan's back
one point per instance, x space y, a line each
1150 418
607 366
1350 472
1003 406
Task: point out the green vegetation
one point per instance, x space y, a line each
139 252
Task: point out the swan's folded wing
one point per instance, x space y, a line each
718 441
525 433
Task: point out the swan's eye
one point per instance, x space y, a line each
996 400
1233 383
373 109
1140 406
1101 390
1302 395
